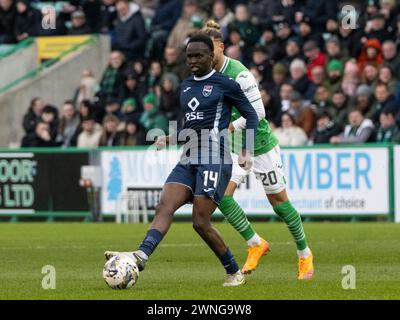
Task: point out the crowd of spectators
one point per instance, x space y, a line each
321 81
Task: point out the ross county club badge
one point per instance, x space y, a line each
207 90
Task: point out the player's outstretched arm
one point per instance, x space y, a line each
249 86
242 104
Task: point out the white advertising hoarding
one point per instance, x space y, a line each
331 181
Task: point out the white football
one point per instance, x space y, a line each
120 272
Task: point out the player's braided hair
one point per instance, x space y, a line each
213 30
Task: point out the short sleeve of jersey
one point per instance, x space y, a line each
249 85
233 93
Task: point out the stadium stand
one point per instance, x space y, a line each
313 71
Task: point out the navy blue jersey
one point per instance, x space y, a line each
207 105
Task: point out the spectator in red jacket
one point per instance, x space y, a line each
314 55
371 53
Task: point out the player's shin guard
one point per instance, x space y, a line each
151 241
229 262
292 219
236 217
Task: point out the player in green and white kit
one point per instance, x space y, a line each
267 167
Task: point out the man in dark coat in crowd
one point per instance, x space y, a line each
130 33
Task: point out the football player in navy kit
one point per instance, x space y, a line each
205 168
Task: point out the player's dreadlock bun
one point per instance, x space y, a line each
213 29
213 25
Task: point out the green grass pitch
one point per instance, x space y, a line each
184 268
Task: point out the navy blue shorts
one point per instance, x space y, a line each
210 180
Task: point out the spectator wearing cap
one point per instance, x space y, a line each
326 128
151 117
8 13
334 51
79 25
289 134
359 130
364 99
299 79
389 52
173 63
371 53
191 20
340 107
307 33
335 75
314 55
303 114
130 110
371 7
27 20
283 33
167 13
388 131
91 133
292 51
110 136
130 36
376 28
